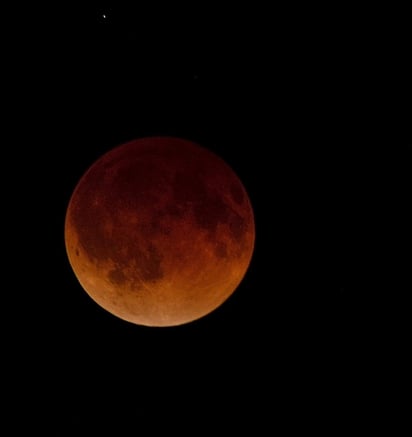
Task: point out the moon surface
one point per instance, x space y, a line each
159 231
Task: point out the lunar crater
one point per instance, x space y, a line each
117 276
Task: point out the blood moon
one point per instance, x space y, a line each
159 231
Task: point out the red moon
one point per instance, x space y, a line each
159 231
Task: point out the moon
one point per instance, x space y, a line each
159 231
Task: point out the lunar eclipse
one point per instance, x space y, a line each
159 231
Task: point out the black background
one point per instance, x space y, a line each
311 108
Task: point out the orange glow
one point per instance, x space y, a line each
159 231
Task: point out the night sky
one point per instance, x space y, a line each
314 116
